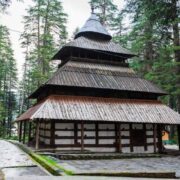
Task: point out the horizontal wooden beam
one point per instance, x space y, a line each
94 145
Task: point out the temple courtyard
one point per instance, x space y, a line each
164 164
17 164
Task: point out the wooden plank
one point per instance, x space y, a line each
159 135
24 132
82 135
97 133
52 138
88 137
29 133
20 131
154 137
131 143
118 138
94 145
37 135
75 133
145 137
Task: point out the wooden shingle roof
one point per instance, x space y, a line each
94 28
91 75
101 109
103 46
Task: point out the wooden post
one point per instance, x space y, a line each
97 133
131 141
145 139
154 137
82 135
37 135
20 131
178 132
159 135
29 134
52 140
119 145
24 132
75 133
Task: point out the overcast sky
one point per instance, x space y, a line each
78 12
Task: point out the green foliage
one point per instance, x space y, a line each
44 32
8 83
107 12
151 37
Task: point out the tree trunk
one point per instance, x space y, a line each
176 42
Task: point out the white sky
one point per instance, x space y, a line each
78 12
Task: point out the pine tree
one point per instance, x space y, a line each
155 37
106 10
8 82
44 32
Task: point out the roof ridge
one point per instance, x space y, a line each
104 98
136 76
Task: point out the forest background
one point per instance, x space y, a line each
152 32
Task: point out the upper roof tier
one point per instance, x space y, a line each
93 28
94 39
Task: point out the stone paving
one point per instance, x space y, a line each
14 162
164 164
10 156
79 178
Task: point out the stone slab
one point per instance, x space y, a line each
79 178
164 164
11 156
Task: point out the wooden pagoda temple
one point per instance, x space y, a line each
95 101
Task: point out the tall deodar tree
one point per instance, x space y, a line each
44 33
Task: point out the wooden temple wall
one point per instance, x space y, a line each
45 133
99 137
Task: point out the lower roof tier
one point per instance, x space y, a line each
101 109
100 76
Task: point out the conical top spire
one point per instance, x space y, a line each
94 29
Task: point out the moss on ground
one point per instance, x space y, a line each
49 164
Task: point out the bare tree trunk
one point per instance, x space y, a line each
46 29
24 76
38 43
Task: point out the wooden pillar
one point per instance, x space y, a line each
37 135
131 140
82 135
97 133
20 131
178 132
154 137
75 133
24 132
52 140
159 136
29 134
145 138
118 138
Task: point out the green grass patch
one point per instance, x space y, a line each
51 165
55 164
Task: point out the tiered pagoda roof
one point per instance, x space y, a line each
93 60
94 82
